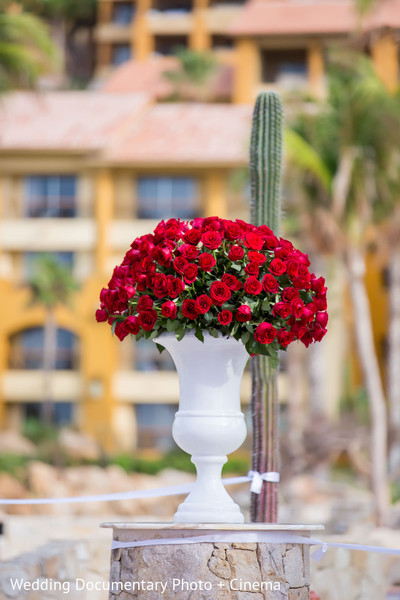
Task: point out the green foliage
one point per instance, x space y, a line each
52 282
26 50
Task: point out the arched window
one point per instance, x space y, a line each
26 349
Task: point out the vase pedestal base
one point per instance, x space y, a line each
202 570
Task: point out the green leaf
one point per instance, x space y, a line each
199 335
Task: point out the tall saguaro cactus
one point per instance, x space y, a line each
265 174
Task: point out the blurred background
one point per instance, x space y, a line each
115 114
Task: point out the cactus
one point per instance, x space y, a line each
265 175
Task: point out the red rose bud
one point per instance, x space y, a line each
144 303
101 315
190 273
270 284
211 239
206 261
252 286
189 309
321 318
282 309
277 267
265 333
175 286
147 319
219 292
203 304
243 313
252 269
232 282
253 240
132 324
285 337
168 309
236 253
192 236
180 262
225 317
257 257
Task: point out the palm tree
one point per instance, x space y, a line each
52 284
26 50
345 155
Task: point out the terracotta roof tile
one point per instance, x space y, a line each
290 17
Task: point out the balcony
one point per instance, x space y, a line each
169 22
46 235
28 386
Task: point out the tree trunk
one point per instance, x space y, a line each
49 360
394 362
265 451
355 263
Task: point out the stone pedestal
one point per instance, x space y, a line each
209 570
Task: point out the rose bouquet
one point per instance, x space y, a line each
214 275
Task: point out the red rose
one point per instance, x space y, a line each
190 273
175 286
285 337
297 308
160 285
290 294
243 313
145 302
132 324
225 317
192 236
232 282
211 239
168 309
101 315
265 333
219 292
277 267
270 284
206 261
147 319
253 240
257 257
189 309
203 304
180 263
252 269
121 331
281 309
188 251
236 253
252 286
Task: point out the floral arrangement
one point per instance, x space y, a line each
214 275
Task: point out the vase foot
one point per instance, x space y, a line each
199 513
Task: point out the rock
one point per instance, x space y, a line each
79 446
12 442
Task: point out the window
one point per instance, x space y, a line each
26 350
122 13
30 259
51 196
166 45
121 53
148 358
286 67
154 422
167 197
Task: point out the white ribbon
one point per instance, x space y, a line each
258 478
154 493
250 537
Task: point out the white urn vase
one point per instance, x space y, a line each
209 423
